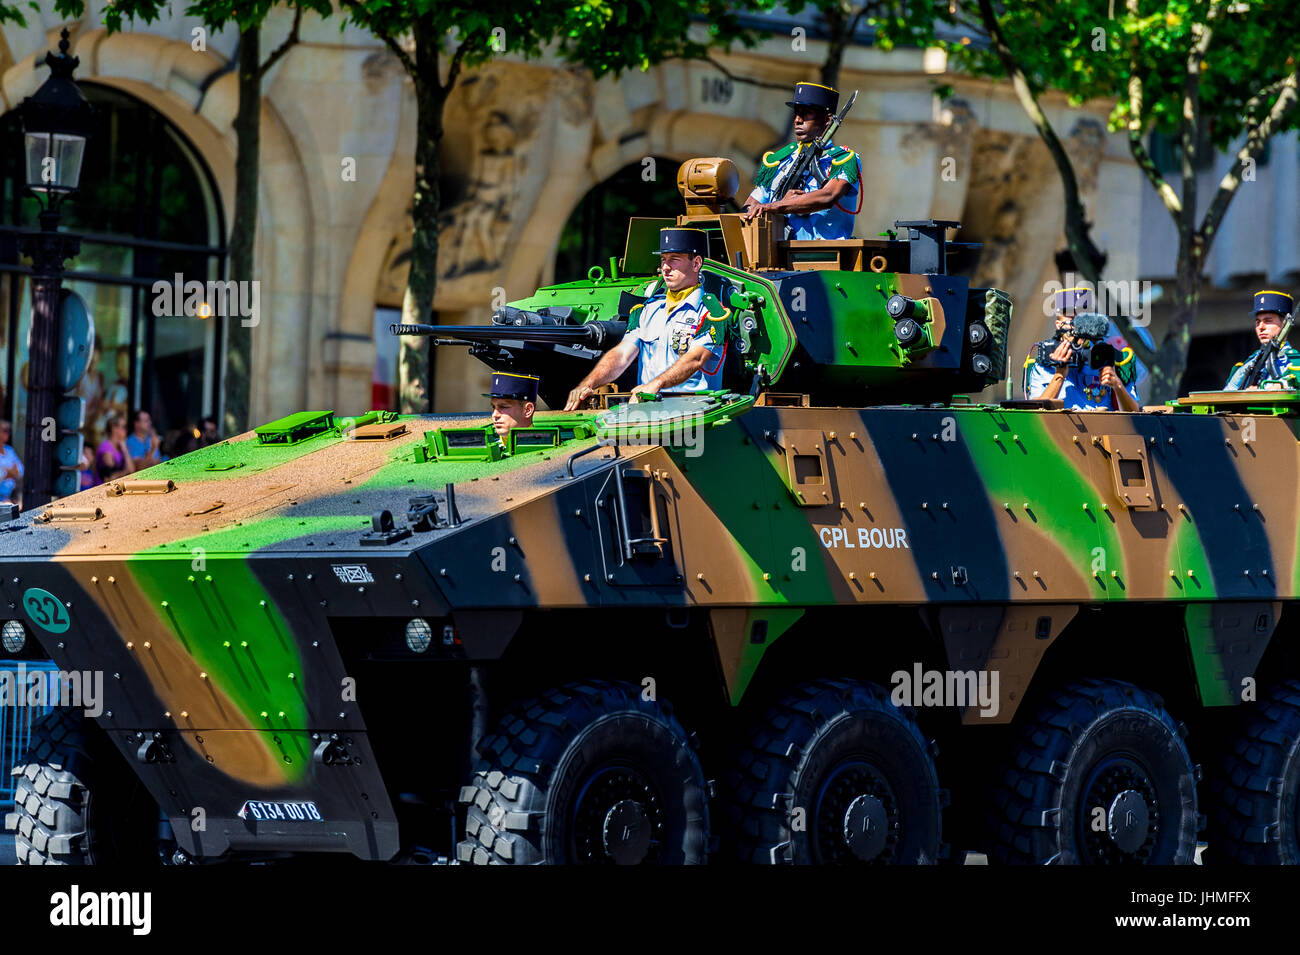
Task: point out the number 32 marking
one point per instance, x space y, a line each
45 610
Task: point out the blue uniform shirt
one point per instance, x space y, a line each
139 447
662 339
1082 391
834 163
1285 368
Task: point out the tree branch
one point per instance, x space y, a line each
1248 108
283 48
853 24
744 79
1135 147
1256 137
1086 255
394 47
1189 243
453 69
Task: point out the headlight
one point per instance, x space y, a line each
13 636
418 635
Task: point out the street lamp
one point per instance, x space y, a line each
57 121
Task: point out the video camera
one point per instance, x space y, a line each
1094 355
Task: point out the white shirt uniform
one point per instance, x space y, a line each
662 339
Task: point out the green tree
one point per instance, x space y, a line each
1180 67
896 23
434 42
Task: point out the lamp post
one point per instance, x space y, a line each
56 124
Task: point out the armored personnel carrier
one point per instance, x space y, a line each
834 612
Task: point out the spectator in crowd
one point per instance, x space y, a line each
89 477
11 469
112 456
180 441
209 433
143 441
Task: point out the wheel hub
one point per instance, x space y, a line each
855 816
618 818
865 830
626 833
1123 789
1128 820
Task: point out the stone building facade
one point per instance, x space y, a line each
526 141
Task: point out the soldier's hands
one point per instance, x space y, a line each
1109 378
647 389
577 396
751 209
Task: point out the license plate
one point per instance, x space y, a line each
262 811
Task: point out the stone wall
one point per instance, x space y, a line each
526 141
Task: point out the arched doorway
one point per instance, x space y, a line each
147 210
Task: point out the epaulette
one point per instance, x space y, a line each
1127 356
634 317
771 160
714 309
843 156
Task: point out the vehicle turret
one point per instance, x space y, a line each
850 322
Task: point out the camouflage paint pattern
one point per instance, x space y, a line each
213 604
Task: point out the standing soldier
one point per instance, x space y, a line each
1271 309
824 204
678 337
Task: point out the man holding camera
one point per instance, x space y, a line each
1080 368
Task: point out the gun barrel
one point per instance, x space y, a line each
596 334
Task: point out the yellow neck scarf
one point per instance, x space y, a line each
676 298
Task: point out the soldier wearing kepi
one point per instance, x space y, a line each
679 336
824 204
1271 311
514 399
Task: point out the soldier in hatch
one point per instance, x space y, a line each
514 400
679 335
1271 309
824 204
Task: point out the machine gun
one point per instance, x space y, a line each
545 342
1264 358
601 336
806 162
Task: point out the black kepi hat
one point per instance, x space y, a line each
1270 301
1071 300
506 384
690 241
814 94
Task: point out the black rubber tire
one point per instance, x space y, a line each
529 785
823 742
71 808
1256 795
1089 728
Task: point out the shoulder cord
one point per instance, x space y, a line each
860 192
